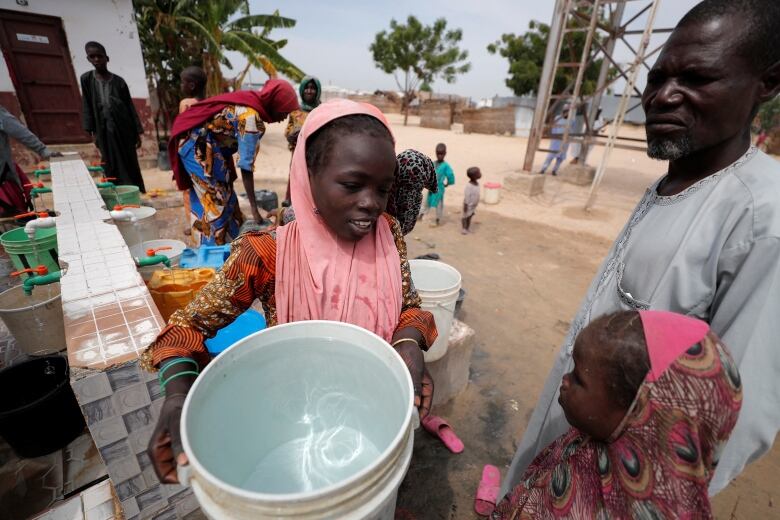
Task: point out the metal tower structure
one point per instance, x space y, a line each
602 22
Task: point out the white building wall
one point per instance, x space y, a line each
5 77
109 22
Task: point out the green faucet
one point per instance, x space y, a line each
95 168
152 258
105 182
36 191
45 279
37 187
42 277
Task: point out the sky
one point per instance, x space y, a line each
332 37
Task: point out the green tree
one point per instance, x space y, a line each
769 114
175 34
420 53
166 53
525 54
214 25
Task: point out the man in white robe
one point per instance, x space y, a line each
705 238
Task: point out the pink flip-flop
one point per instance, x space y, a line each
440 428
487 492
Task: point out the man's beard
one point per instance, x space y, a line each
670 148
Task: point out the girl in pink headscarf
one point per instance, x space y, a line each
652 399
343 258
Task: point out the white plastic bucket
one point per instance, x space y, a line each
338 396
143 230
492 192
35 321
174 253
438 285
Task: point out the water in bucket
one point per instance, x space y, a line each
305 425
327 452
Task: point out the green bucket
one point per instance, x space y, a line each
27 254
124 195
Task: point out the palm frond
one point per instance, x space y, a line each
268 49
261 20
199 30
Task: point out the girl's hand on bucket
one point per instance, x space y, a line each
165 449
412 355
424 400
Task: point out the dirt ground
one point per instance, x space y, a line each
525 269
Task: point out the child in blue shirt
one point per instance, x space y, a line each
444 177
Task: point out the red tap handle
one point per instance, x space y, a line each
34 185
39 214
97 163
40 270
152 252
106 179
120 207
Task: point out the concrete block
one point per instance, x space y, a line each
579 174
108 431
451 373
130 508
139 440
124 469
124 375
98 410
91 388
151 500
131 398
530 184
128 489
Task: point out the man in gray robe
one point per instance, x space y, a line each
705 238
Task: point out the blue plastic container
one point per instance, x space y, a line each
248 323
205 256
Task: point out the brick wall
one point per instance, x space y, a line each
436 115
381 102
489 120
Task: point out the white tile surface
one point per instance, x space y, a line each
100 282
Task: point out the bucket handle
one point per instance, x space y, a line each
441 305
184 472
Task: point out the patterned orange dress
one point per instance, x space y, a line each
250 273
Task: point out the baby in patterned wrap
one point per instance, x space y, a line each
652 400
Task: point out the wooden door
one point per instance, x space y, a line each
36 52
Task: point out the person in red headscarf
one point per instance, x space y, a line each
203 142
651 401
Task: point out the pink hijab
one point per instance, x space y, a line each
320 276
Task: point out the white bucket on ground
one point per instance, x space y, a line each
492 192
174 253
304 420
438 285
35 321
144 229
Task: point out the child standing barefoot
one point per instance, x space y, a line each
470 198
444 177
